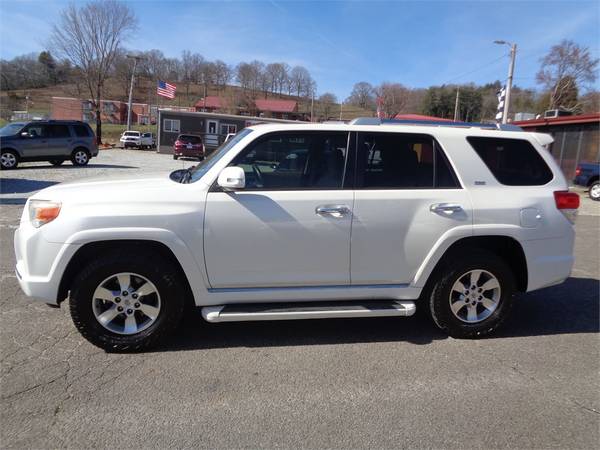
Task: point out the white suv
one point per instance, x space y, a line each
307 221
137 139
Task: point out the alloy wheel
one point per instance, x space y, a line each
81 157
8 160
475 296
126 303
595 191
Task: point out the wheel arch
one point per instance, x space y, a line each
506 247
91 249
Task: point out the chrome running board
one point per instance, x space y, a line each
308 310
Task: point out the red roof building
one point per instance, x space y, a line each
280 109
210 103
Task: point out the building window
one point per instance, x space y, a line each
228 129
171 125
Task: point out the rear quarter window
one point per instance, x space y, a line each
81 130
513 162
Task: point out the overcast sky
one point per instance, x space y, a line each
417 43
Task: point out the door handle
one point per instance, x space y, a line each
445 208
332 210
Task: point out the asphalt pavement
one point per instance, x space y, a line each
353 383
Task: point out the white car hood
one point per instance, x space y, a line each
110 188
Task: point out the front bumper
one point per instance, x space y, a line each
40 264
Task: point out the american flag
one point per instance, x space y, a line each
165 89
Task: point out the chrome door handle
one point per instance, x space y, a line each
445 208
332 210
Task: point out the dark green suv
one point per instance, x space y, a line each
49 140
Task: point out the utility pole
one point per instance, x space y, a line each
341 109
456 105
509 80
312 106
135 60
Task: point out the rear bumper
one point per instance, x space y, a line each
189 153
581 180
549 261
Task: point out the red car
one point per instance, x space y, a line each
188 145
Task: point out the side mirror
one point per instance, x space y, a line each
25 134
232 178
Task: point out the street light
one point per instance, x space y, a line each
135 61
511 69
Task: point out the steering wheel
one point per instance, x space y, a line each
258 175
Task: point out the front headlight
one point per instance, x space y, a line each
43 211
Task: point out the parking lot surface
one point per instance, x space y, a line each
354 383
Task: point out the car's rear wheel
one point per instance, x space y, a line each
8 160
80 157
473 295
594 191
127 302
56 162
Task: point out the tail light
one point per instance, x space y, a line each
567 203
578 171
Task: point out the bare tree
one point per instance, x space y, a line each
89 36
222 74
394 97
564 69
362 95
327 103
300 80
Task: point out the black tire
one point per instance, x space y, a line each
594 191
9 159
455 268
175 157
77 157
149 265
56 162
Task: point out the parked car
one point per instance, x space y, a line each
303 222
137 139
148 140
586 175
188 145
47 140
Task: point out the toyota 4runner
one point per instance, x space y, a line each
304 221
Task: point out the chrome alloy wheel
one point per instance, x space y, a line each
594 190
8 160
126 303
81 157
475 296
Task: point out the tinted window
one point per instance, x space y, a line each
11 129
58 131
36 130
402 161
514 162
190 139
81 130
295 161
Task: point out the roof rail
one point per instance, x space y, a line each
438 123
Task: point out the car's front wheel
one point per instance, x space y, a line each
594 191
80 157
8 160
473 295
127 302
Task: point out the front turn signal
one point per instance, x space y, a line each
43 211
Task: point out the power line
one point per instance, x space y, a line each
477 69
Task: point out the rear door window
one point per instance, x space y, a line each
513 162
58 131
402 161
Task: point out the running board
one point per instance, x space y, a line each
307 310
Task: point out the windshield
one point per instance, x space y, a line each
131 133
201 169
11 129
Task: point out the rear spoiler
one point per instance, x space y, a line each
543 139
